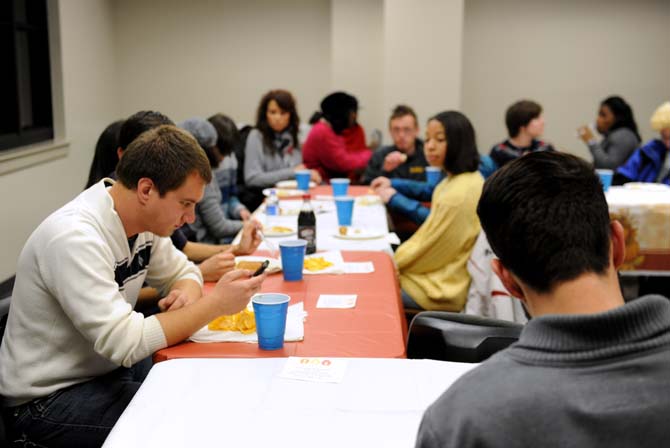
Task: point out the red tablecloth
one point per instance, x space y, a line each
375 328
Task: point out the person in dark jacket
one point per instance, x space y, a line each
404 158
525 126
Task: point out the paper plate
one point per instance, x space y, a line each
291 184
274 266
276 231
359 233
283 193
369 199
646 186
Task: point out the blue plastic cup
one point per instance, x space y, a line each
303 177
270 311
292 259
345 210
340 186
433 175
605 178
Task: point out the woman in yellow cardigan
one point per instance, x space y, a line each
432 263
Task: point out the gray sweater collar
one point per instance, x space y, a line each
638 325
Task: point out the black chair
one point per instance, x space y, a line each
458 337
5 299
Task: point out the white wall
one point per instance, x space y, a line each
197 58
568 56
200 57
29 195
422 55
357 56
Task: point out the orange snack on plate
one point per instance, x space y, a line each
244 322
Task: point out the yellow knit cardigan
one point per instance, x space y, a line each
432 263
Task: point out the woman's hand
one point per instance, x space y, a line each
315 176
386 194
585 134
380 182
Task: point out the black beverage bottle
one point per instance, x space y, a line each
307 224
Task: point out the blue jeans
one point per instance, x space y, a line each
77 416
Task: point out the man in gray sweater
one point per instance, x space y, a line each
588 370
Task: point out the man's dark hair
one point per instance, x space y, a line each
546 218
286 102
138 123
462 155
520 114
228 137
402 110
167 155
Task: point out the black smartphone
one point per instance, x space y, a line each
261 269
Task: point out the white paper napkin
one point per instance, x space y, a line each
317 370
295 330
363 267
341 301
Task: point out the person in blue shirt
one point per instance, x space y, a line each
650 162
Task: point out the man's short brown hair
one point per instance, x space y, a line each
402 110
167 155
520 114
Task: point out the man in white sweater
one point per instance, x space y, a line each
74 351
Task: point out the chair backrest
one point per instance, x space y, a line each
251 197
239 153
6 288
487 296
458 337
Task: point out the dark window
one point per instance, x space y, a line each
25 78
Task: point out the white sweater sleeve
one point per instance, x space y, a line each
79 270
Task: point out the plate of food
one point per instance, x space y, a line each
357 233
252 263
368 199
291 184
244 322
646 186
283 193
317 264
278 231
330 262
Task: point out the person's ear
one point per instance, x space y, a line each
618 243
119 153
507 279
145 186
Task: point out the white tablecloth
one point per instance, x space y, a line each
645 216
243 402
369 216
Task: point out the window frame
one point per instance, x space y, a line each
55 147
